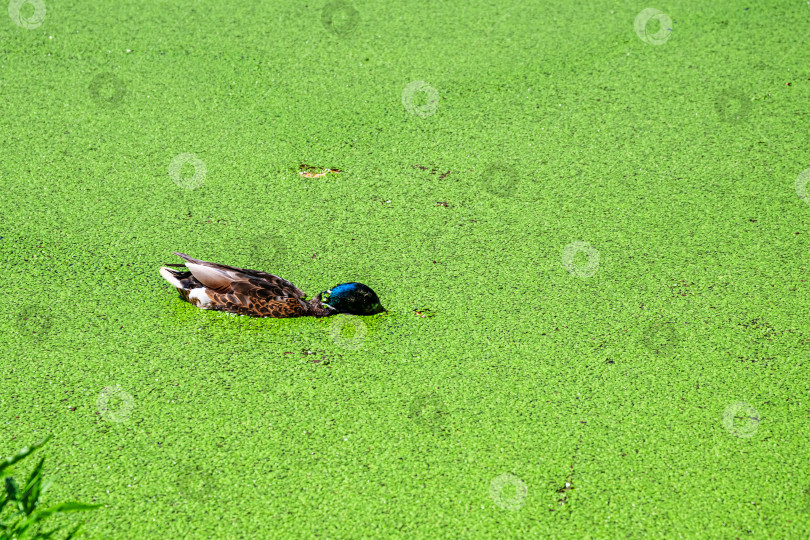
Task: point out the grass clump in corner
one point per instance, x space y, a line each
21 510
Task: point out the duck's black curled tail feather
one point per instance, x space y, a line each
183 281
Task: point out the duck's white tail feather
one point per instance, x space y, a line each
169 275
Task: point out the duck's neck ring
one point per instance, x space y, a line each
325 296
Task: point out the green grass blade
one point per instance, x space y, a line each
46 485
22 454
62 508
19 529
12 489
27 500
71 507
36 518
31 496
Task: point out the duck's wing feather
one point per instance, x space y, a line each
226 279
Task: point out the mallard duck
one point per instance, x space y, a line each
259 294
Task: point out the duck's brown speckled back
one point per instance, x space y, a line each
238 290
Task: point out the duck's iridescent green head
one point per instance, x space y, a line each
353 298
